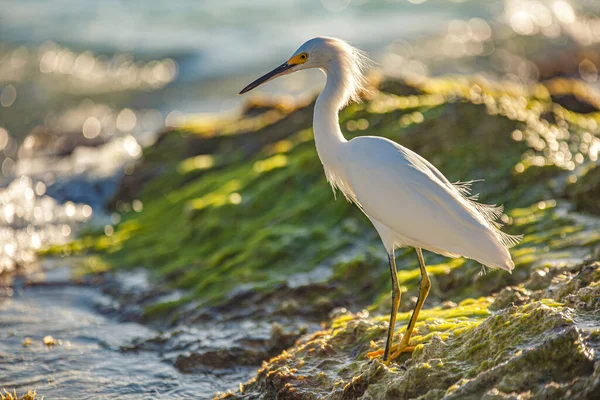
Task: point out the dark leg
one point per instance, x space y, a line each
395 305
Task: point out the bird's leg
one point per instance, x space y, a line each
404 347
395 305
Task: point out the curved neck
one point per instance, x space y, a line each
325 121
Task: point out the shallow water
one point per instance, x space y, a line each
87 362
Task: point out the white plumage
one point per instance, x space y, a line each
407 199
412 204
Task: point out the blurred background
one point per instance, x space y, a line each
85 85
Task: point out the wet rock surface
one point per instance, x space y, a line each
55 338
538 349
92 324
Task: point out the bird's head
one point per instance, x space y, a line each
328 54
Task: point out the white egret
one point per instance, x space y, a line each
407 199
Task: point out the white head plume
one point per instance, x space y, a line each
335 56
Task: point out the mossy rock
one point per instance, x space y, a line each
467 353
238 216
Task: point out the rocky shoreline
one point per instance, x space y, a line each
238 219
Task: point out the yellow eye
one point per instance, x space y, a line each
303 56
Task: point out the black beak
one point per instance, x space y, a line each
281 70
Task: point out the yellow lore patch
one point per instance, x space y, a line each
298 59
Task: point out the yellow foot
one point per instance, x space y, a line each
396 351
375 354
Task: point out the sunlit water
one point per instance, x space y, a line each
87 360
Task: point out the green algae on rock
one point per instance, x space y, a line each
463 352
7 395
239 214
466 355
195 227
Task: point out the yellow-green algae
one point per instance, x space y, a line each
221 211
210 224
8 395
465 351
462 350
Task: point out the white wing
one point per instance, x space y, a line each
408 195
